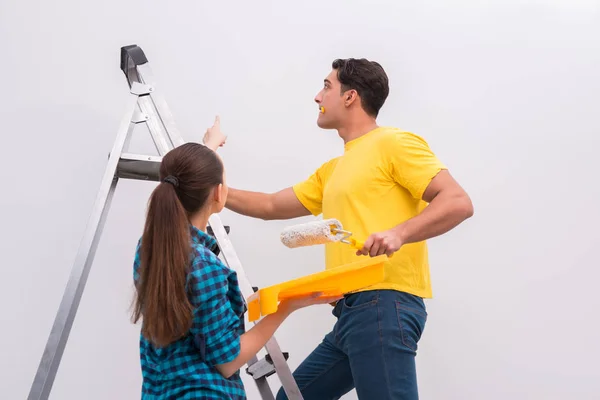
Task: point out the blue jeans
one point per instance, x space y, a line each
372 349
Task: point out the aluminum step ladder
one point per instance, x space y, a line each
146 106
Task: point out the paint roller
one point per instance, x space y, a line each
318 232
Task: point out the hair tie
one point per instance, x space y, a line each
172 180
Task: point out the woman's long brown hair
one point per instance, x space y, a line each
191 171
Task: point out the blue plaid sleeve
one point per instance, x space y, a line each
216 325
136 262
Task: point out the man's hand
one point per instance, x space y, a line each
386 242
214 138
449 205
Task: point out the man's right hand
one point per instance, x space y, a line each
214 138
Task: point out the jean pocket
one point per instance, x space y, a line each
411 322
358 314
360 300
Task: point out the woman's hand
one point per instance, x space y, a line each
214 138
293 304
252 341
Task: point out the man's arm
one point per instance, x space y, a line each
283 204
449 205
267 206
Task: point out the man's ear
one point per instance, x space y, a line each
350 97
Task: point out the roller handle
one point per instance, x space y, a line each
358 244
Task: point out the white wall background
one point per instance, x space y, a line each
506 93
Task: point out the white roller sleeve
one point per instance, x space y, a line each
311 233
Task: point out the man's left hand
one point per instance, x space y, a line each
386 242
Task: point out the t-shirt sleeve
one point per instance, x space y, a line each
216 327
310 191
412 162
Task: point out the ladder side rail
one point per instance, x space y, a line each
152 119
65 316
163 110
133 63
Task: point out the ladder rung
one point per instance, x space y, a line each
140 167
264 367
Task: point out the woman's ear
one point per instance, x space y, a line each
218 193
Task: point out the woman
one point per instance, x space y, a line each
193 342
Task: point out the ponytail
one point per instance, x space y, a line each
164 258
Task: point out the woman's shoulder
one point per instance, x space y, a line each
207 266
210 276
204 260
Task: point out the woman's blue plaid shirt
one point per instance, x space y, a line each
186 368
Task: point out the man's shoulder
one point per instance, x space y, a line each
390 134
327 167
331 163
394 141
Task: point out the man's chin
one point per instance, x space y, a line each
324 124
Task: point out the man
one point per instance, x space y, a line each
389 188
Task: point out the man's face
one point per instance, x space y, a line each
330 97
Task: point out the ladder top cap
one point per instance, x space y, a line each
132 56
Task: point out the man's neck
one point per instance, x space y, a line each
356 129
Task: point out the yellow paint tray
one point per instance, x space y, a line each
332 282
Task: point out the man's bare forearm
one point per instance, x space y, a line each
445 212
267 206
248 203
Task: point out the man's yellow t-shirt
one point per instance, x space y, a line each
375 185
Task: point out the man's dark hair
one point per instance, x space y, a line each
366 77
